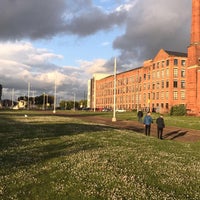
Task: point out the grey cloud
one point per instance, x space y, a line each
152 26
36 19
95 20
30 19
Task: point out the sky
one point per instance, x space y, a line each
67 41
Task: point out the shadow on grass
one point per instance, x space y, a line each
24 144
174 134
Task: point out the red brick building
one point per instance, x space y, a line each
193 67
170 78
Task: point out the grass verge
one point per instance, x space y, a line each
55 157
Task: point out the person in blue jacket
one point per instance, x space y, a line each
147 124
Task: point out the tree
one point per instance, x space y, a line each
178 110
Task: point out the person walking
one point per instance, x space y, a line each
160 125
147 123
140 115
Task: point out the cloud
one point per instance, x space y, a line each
95 66
152 26
146 26
44 19
21 63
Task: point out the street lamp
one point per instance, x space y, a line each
74 101
114 100
28 103
54 103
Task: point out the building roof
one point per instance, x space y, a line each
178 54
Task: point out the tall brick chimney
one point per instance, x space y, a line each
193 69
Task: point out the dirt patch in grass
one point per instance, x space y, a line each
170 133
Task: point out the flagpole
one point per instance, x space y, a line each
114 100
54 103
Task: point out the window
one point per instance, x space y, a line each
153 86
183 62
167 62
167 84
158 65
144 86
149 95
144 97
162 84
162 95
167 95
163 73
157 85
163 63
153 95
157 95
153 75
183 84
175 95
167 72
153 65
176 62
175 83
182 73
175 72
158 74
182 95
140 87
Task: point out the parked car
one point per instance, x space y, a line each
120 110
106 110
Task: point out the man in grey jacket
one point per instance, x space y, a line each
147 123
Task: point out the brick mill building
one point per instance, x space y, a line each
170 78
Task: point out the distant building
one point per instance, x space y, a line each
91 99
157 85
170 78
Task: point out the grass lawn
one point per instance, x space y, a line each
44 157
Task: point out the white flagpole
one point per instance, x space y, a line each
114 100
54 104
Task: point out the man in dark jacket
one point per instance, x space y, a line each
140 115
160 125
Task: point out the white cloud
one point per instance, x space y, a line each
21 63
95 66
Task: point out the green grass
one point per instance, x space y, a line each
56 157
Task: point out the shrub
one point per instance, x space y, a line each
178 110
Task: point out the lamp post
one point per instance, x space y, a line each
54 103
138 85
114 100
43 101
12 97
94 93
28 103
74 101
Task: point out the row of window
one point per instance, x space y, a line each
167 63
147 98
138 79
146 86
